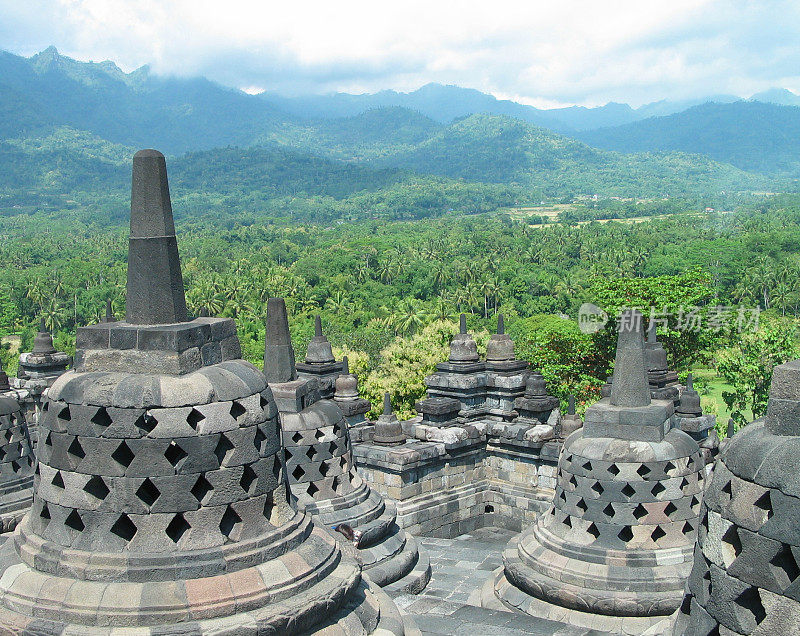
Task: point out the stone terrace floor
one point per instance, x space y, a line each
451 603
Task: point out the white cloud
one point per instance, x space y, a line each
537 51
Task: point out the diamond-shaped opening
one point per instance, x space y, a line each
658 489
76 450
785 562
312 489
102 418
146 422
48 441
343 463
44 514
750 600
194 418
9 434
97 488
64 414
582 505
626 534
684 484
731 545
58 480
258 439
598 488
694 502
573 482
123 455
670 509
74 521
613 469
658 533
319 435
148 493
177 528
124 527
587 466
563 496
311 453
568 521
2 453
262 402
640 512
764 502
231 524
669 467
201 488
276 468
332 448
298 472
248 479
223 450
608 511
269 504
335 484
297 437
727 488
643 471
323 469
174 454
237 410
15 466
592 530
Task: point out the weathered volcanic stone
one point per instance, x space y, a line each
353 407
161 503
505 376
320 365
388 430
746 574
663 380
689 417
16 465
278 353
618 539
325 484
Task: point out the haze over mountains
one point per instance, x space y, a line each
68 126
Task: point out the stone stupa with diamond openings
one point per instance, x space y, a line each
323 478
663 380
353 407
161 505
614 550
16 464
746 573
505 376
319 364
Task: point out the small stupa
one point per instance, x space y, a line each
320 364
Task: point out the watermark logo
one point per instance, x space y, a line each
591 318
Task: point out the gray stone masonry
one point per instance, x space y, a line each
325 484
617 539
16 464
745 578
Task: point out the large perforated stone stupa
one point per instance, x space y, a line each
160 505
746 574
16 464
614 550
321 472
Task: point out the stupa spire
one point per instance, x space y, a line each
630 387
155 283
279 364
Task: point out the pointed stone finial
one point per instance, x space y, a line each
109 312
43 341
630 387
155 293
571 405
317 327
462 324
319 349
651 332
689 382
731 427
501 325
278 353
387 403
345 366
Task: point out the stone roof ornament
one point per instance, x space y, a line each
500 347
43 341
155 294
279 364
319 349
462 347
388 429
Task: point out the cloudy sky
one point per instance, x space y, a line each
540 52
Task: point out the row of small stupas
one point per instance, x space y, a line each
179 489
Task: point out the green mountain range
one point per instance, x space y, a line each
68 130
